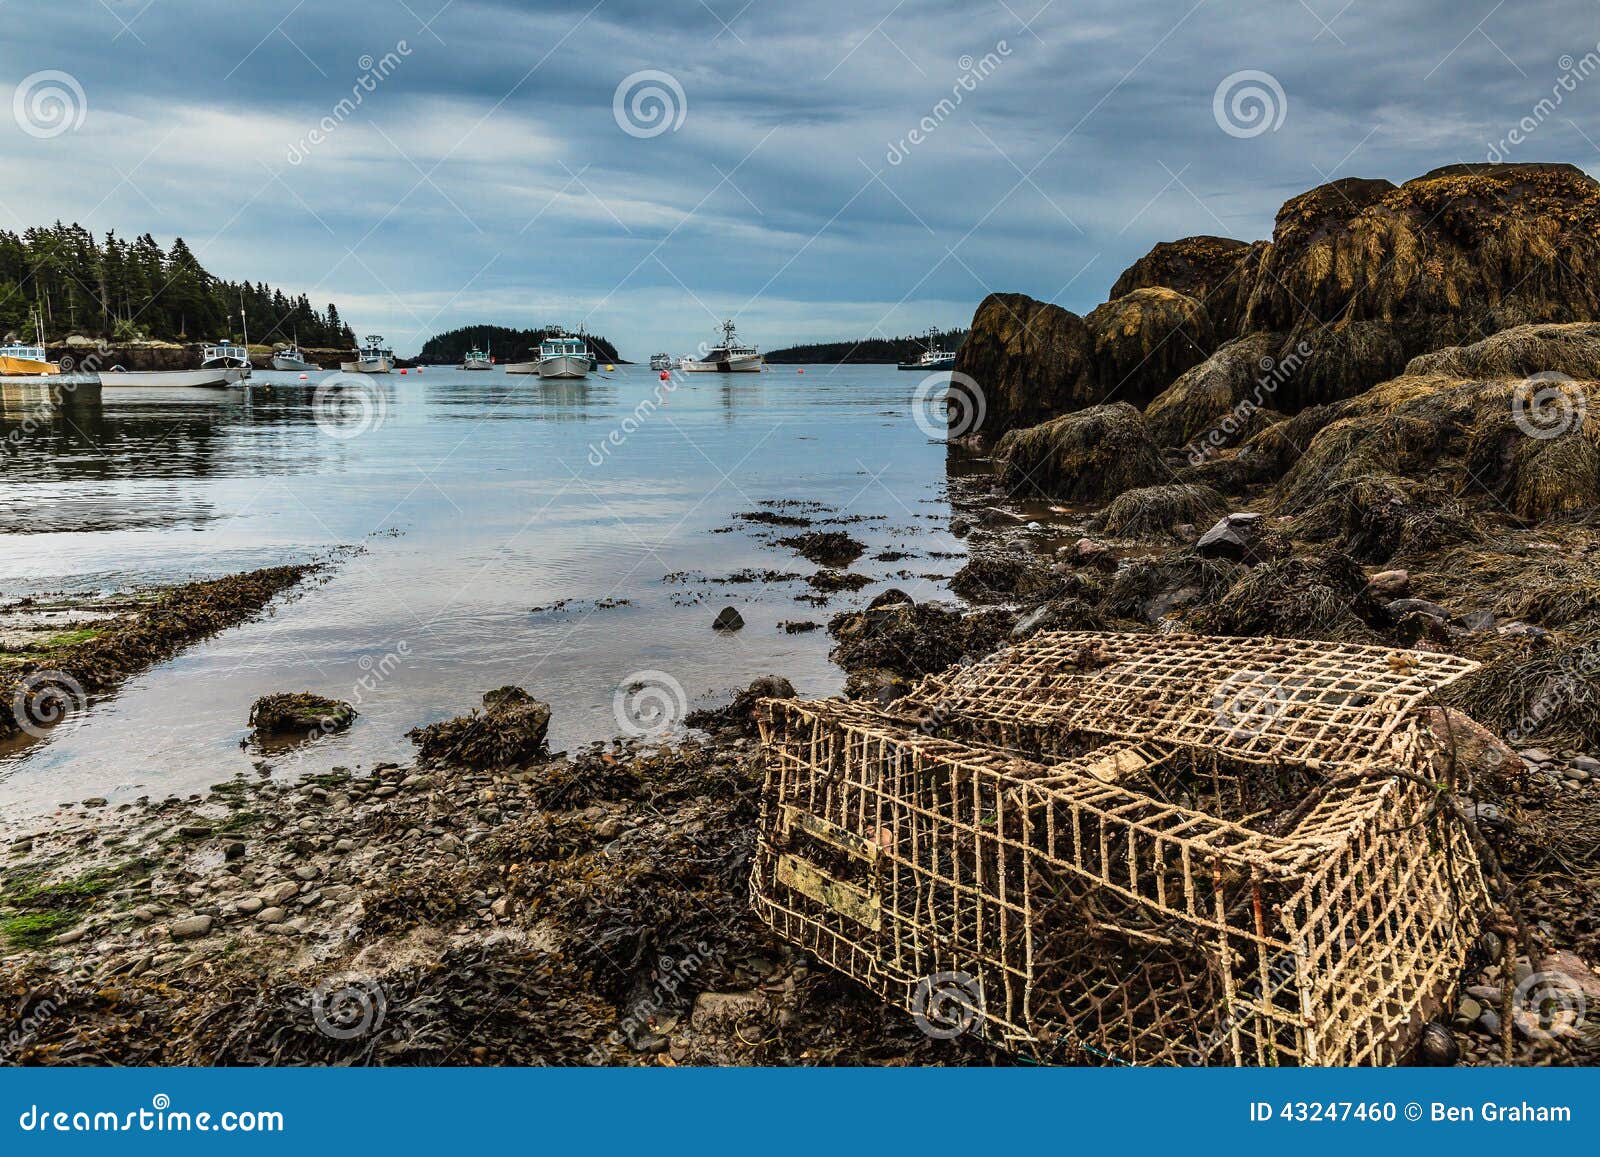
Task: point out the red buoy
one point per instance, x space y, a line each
801 370
665 376
302 377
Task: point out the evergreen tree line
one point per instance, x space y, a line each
505 343
125 290
868 350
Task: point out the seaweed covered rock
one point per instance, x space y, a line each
1027 358
1300 598
1004 576
511 731
291 712
914 639
1155 512
739 716
1095 453
1140 342
1524 351
832 548
1529 446
1475 248
1230 384
1207 269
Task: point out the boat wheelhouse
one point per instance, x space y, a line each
372 358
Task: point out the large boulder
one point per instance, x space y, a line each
1520 352
1026 357
1207 269
1220 392
1140 342
1473 248
1091 454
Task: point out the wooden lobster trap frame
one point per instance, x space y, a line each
1140 849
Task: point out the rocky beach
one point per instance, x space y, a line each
1377 427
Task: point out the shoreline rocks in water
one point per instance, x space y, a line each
290 712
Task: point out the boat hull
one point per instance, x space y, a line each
367 366
728 366
477 365
27 368
522 367
220 376
566 366
280 363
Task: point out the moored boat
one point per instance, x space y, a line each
477 359
372 358
211 376
661 361
729 356
291 358
18 359
562 355
933 358
232 360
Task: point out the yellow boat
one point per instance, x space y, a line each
20 360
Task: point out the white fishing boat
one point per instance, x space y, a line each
933 358
290 357
372 358
565 356
214 376
477 359
729 356
19 359
233 360
661 361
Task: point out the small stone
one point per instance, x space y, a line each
344 845
1587 764
1470 1010
1389 584
1489 1022
250 905
608 829
234 851
73 936
1233 537
279 893
270 916
191 928
728 619
1536 755
307 872
95 801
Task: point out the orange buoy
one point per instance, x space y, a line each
801 370
302 377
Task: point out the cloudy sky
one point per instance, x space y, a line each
817 169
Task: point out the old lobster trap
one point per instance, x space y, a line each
1131 848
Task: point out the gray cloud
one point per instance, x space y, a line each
485 177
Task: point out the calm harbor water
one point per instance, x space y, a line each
507 531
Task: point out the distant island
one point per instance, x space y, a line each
504 343
867 350
133 290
